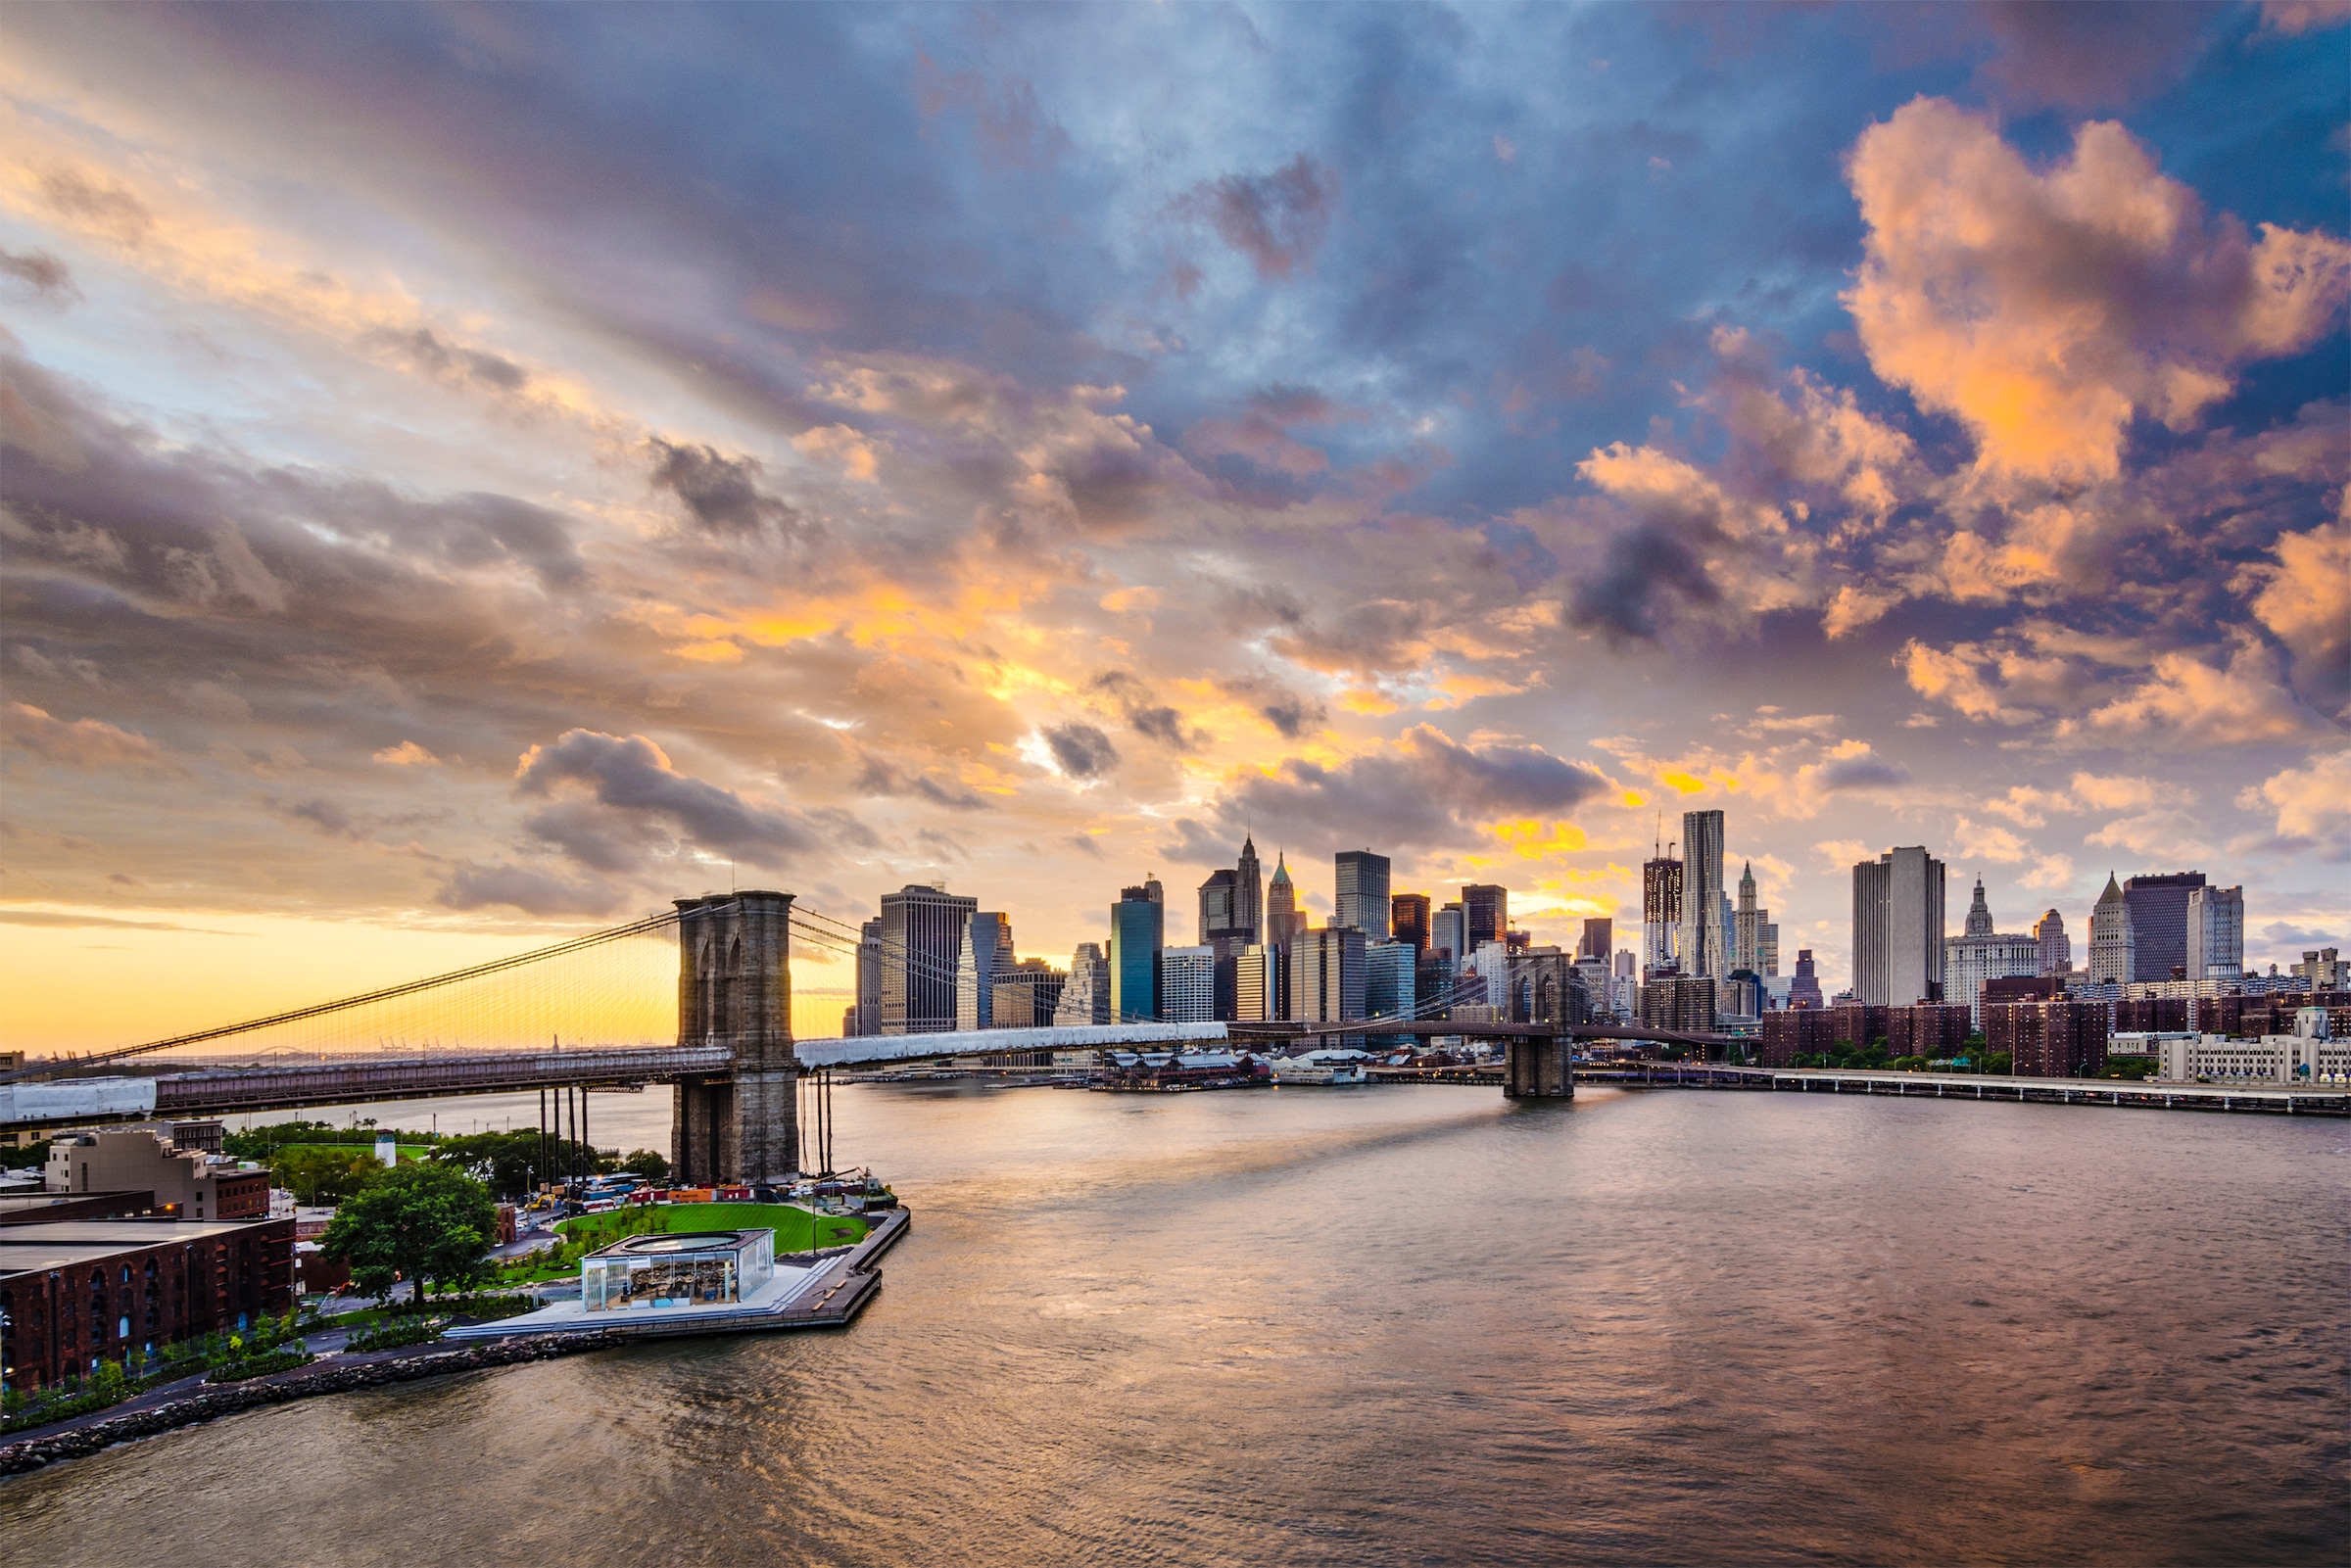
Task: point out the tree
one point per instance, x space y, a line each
644 1162
509 1162
426 1221
323 1172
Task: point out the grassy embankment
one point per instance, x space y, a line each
798 1230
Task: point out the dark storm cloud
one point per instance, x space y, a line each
1862 773
525 888
1288 711
1081 750
1197 844
1641 566
879 776
1431 790
434 355
322 814
39 271
633 776
722 494
1276 219
1143 713
2085 57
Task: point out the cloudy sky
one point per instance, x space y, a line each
471 475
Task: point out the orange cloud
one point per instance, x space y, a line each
2045 309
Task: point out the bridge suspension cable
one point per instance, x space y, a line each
650 925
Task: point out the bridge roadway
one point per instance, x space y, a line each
84 1100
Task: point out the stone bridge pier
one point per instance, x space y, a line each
734 990
1539 1070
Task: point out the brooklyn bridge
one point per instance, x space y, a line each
742 1083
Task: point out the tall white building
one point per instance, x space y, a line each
1327 974
1705 946
1086 996
1984 954
2113 951
1257 983
1187 984
2056 948
1755 939
2216 933
1898 929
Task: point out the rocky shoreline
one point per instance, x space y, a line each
337 1376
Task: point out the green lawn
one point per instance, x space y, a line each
798 1229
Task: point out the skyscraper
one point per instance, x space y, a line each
1327 974
1257 992
1755 940
921 939
1363 893
1187 984
1485 916
1898 929
1283 921
2216 933
1218 915
1388 980
1086 997
1660 912
1137 932
985 953
1703 948
867 1016
1249 893
1409 922
1804 989
2113 946
2056 948
1599 938
1447 940
1982 955
2159 923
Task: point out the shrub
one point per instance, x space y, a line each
395 1332
251 1366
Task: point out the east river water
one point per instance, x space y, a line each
1394 1325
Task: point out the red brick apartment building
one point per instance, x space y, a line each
79 1292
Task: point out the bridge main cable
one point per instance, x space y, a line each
640 928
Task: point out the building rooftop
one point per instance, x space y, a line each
63 1243
15 1204
674 1243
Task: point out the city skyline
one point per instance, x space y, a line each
1424 953
406 567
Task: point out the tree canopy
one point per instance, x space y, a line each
511 1163
323 1172
425 1221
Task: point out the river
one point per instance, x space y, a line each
1394 1325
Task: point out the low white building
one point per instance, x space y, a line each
2306 1057
2150 1043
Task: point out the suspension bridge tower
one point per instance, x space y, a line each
734 990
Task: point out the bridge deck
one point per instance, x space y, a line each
32 1106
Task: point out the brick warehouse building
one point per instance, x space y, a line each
79 1292
2050 1039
